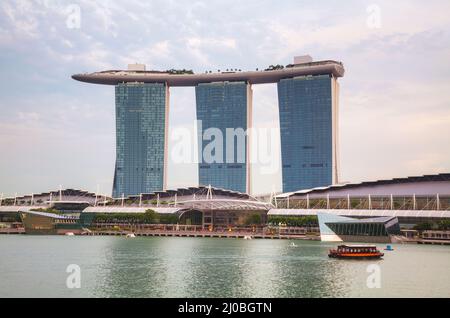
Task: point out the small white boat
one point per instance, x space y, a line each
69 234
130 235
248 237
293 245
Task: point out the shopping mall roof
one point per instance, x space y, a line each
64 193
49 215
17 208
226 205
200 204
444 177
363 213
196 193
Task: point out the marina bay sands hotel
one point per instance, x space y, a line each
308 97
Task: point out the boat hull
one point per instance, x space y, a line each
362 256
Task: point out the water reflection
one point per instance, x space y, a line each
147 267
174 267
194 267
218 269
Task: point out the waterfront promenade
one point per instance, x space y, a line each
204 234
193 231
303 233
189 231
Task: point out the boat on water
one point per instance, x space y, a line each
389 248
130 235
356 252
69 234
248 237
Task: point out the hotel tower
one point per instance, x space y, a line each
308 97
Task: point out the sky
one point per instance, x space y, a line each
394 104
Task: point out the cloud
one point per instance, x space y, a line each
394 97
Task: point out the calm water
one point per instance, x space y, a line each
35 266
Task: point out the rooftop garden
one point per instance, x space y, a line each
274 67
297 221
179 72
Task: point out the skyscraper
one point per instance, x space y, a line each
141 138
224 108
308 95
308 107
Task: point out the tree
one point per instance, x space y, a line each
253 219
151 217
424 226
297 221
444 225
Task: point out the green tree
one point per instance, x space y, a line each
444 225
424 226
253 219
298 221
151 217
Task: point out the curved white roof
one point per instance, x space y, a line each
225 204
363 213
443 179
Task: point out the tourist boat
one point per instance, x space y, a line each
356 252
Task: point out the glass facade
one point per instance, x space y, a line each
141 119
224 105
331 224
306 128
359 229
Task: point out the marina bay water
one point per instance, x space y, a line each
35 266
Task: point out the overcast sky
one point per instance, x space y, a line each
395 96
